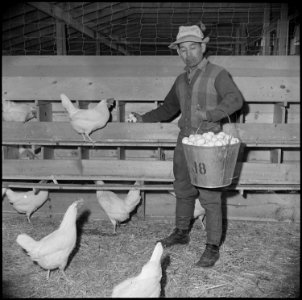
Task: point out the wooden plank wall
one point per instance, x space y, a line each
263 80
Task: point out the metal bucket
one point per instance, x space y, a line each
211 167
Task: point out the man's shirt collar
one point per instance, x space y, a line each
202 66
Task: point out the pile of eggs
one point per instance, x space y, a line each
209 139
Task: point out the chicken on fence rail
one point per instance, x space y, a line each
26 202
85 121
18 112
118 209
52 251
147 283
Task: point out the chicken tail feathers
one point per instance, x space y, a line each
132 199
10 196
26 242
67 104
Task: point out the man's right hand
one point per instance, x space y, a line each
138 117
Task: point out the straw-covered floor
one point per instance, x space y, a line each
258 259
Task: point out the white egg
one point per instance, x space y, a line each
185 140
191 138
234 141
198 136
200 142
218 143
227 138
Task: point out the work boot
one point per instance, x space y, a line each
178 236
209 256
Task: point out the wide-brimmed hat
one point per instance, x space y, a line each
189 34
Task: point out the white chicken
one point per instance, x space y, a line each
26 202
84 121
199 211
52 251
147 283
18 112
117 209
27 153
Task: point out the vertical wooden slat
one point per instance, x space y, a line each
45 115
266 34
243 44
161 153
120 107
61 38
278 117
10 152
83 152
98 48
282 32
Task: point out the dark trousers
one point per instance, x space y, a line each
186 193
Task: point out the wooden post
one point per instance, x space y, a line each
83 152
237 45
282 32
120 107
45 115
266 35
243 44
60 38
279 117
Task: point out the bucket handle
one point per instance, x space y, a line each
223 112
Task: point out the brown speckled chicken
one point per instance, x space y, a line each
118 209
84 121
26 202
52 251
147 283
18 112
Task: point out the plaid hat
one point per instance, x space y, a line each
189 34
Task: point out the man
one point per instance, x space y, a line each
204 95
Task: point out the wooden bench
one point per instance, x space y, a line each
143 82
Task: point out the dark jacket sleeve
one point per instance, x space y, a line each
166 111
231 98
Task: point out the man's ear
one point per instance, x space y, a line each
203 47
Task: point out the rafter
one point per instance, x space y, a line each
58 13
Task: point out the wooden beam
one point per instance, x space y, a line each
143 187
142 134
61 15
146 170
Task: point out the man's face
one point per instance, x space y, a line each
191 53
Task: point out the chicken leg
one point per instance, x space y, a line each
28 218
91 140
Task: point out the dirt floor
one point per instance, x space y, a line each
258 259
